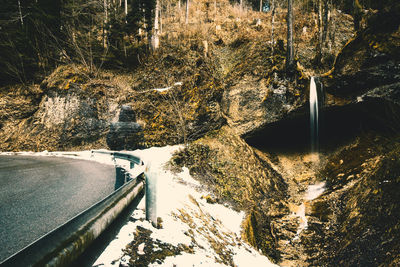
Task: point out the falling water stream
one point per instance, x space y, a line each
317 189
314 123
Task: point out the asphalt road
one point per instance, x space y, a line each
37 194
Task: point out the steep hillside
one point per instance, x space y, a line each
223 70
218 84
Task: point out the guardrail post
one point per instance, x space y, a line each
151 195
131 164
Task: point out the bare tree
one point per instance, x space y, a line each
215 10
187 12
20 13
322 24
290 49
272 25
160 18
318 54
325 20
155 38
105 5
357 14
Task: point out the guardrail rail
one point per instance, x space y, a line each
66 243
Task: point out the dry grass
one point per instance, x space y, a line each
229 23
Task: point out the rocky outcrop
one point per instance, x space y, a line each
65 112
126 133
369 65
362 93
72 110
356 219
251 104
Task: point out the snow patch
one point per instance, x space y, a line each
301 213
187 219
315 191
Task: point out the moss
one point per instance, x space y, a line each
321 210
185 112
210 199
362 205
154 251
65 75
217 161
250 229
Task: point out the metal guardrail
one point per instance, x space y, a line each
133 159
66 243
150 184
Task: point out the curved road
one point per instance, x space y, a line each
37 194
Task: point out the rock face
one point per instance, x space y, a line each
77 116
362 94
369 65
357 217
355 222
251 104
126 133
67 111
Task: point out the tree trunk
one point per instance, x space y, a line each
290 49
179 12
332 32
126 8
105 24
160 19
20 13
215 10
261 5
357 14
325 21
318 55
155 38
187 12
272 26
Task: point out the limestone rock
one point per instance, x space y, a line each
252 104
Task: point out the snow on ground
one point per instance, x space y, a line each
211 231
313 191
199 233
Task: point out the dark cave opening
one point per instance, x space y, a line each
338 126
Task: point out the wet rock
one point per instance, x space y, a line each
127 114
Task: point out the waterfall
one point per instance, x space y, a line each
314 123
